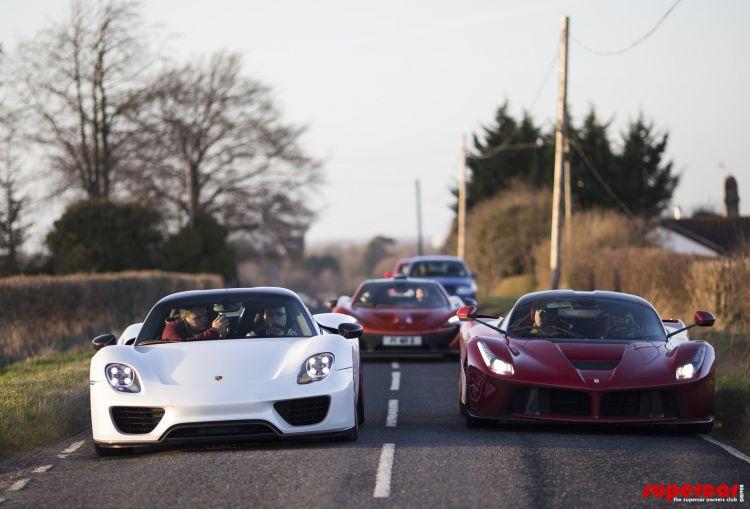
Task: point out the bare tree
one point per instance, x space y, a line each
213 142
80 78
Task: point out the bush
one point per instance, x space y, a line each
200 248
46 312
102 236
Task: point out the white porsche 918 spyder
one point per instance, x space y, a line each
227 365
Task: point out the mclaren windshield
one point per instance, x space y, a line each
585 318
401 295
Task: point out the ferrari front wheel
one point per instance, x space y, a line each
702 428
471 421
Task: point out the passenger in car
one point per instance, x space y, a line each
191 324
274 324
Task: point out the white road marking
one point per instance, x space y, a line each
395 380
2 500
62 456
731 450
385 469
73 447
42 469
392 417
19 485
394 365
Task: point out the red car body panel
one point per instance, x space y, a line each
603 381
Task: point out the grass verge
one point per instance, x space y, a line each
43 399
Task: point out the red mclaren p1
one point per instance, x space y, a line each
404 316
587 357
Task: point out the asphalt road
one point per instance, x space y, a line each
434 461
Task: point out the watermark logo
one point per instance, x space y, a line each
694 493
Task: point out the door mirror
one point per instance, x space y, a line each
704 319
467 313
100 342
350 330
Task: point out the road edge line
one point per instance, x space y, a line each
731 450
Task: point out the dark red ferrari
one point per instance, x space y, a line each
404 316
587 357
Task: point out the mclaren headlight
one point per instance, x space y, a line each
122 377
315 368
687 371
496 364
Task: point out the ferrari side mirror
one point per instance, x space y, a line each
704 319
350 330
467 313
100 342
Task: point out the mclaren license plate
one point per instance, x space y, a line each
402 340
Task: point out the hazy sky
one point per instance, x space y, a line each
388 87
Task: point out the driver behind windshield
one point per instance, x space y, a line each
191 324
274 324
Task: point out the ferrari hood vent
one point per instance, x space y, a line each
595 365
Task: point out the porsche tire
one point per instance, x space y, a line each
361 401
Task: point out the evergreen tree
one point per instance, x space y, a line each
641 177
593 139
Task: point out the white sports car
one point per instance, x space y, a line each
227 364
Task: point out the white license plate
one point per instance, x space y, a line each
402 340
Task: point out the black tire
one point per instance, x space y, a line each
471 421
702 428
106 452
361 400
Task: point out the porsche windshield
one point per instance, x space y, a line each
585 318
260 316
401 295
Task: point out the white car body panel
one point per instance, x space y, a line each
130 332
183 379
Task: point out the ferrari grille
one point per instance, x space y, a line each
136 420
646 404
550 402
303 411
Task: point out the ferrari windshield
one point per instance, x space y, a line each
401 294
585 318
254 315
438 268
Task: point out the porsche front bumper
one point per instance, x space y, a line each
243 411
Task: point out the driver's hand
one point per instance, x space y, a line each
221 324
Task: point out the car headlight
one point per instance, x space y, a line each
315 368
122 377
465 290
687 371
493 362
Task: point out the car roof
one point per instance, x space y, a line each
591 294
402 280
229 292
437 258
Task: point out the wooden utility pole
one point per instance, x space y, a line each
568 192
561 133
420 250
462 201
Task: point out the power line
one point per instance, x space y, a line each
547 74
633 44
601 180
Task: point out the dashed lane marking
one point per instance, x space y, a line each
731 450
392 417
395 365
42 469
19 485
385 469
395 380
73 447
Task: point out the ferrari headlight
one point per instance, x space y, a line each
315 368
122 377
493 362
687 371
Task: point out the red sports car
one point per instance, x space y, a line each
404 316
589 357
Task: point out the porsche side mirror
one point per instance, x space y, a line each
350 330
331 303
704 319
100 342
467 313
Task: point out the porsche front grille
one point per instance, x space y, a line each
220 430
136 420
303 411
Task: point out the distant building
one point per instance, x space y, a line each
708 235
